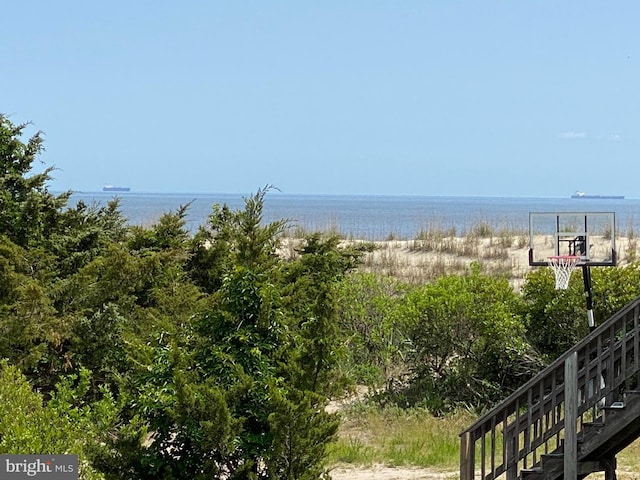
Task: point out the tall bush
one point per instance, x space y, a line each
467 342
371 329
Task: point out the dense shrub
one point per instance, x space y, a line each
373 333
65 424
467 342
557 319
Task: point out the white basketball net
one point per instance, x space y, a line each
563 266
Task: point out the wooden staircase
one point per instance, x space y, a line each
596 383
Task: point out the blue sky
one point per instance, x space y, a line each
467 97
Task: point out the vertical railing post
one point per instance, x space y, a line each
467 460
570 417
512 454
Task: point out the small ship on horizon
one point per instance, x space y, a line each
585 195
112 188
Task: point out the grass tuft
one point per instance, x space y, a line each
397 437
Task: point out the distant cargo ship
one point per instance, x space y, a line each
111 188
584 195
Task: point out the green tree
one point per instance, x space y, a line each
43 245
129 294
371 330
311 288
83 233
28 212
218 393
234 238
175 425
301 431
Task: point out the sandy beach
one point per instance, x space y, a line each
381 472
417 261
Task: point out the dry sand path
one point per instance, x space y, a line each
390 473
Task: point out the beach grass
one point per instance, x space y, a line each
435 252
629 462
395 437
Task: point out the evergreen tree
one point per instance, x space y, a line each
220 393
28 211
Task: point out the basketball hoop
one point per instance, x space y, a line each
563 266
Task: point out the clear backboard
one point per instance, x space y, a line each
588 235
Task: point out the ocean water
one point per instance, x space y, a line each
371 217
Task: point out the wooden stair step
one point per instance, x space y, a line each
584 468
551 458
613 409
620 427
531 473
590 426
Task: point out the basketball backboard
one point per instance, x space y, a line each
589 235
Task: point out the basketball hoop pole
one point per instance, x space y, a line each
580 246
586 276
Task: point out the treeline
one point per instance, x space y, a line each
153 353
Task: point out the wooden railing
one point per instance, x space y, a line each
530 422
